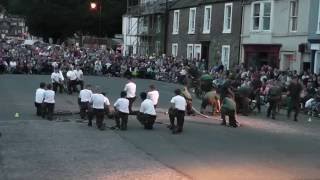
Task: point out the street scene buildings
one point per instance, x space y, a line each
227 32
12 26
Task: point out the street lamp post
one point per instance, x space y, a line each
97 6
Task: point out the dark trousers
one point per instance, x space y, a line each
131 100
295 106
146 120
258 101
81 84
39 107
48 111
56 86
180 119
99 114
121 120
84 109
72 86
232 117
244 105
272 109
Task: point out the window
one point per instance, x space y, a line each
294 16
227 22
207 19
261 16
316 69
190 51
197 51
192 21
158 30
176 15
225 56
175 50
157 47
318 29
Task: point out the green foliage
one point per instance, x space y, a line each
62 18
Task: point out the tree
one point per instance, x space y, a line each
60 19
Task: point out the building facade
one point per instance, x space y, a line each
206 29
314 35
275 33
11 26
144 27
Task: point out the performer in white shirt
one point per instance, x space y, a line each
147 114
49 103
72 80
177 110
153 95
84 99
130 89
57 80
98 102
121 107
79 75
39 98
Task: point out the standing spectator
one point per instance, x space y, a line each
177 110
39 99
130 89
49 103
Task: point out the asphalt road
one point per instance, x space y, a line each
31 148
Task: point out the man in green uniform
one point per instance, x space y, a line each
211 98
274 97
228 108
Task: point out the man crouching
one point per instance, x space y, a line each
147 114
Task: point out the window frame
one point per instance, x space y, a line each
292 17
192 24
261 16
192 51
225 18
227 66
207 20
176 22
195 53
318 25
174 54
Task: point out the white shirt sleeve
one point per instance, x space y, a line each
106 101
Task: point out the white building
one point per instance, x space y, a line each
275 32
130 33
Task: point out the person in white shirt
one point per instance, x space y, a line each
84 99
49 103
130 89
177 110
153 95
98 102
79 75
147 114
57 80
72 80
39 99
121 107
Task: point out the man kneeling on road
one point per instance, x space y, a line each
147 114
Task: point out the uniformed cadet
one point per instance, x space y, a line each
84 100
211 98
39 98
121 107
98 103
153 95
294 91
72 80
228 108
79 75
177 110
57 80
147 114
273 97
130 89
49 103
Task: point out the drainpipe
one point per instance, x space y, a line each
166 20
241 21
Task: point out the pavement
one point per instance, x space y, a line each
32 148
